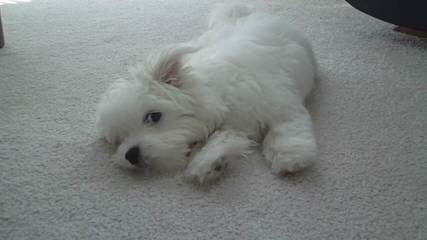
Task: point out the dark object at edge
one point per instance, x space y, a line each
405 13
1 34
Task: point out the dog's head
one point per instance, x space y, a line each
156 117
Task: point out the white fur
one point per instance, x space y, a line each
242 82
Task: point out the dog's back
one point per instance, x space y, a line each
255 63
254 39
224 14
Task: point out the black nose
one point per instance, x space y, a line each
132 155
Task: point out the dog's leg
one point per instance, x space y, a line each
210 162
290 145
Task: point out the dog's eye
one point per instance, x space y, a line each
153 117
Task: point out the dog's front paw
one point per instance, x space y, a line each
288 165
205 170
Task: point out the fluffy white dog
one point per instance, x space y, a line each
205 102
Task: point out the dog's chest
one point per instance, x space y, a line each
246 118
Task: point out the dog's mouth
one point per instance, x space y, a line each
191 148
141 164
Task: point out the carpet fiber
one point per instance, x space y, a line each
58 182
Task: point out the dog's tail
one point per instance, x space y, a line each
229 13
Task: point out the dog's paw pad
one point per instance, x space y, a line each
218 168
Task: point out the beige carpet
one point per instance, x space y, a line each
57 182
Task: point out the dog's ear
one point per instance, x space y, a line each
169 65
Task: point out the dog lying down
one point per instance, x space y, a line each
198 105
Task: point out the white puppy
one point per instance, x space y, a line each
203 103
